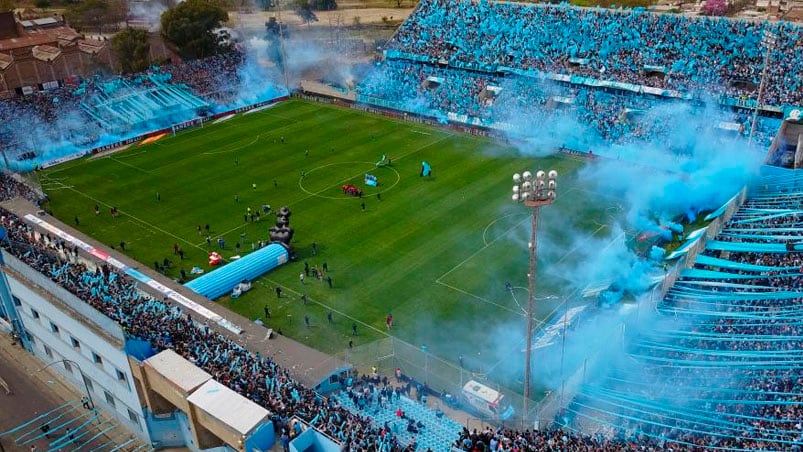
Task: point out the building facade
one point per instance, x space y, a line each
82 345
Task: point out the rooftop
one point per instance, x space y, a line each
181 372
228 407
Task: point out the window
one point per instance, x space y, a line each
48 352
67 366
87 382
30 337
17 301
35 313
109 398
133 416
54 328
75 343
97 359
120 376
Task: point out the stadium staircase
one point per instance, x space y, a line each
438 433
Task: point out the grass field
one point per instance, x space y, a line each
435 252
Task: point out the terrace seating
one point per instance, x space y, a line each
693 54
574 116
98 111
722 367
435 434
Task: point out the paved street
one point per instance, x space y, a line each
30 395
33 392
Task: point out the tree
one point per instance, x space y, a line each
325 5
95 14
132 49
7 5
190 27
303 9
715 7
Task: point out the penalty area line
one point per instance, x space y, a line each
477 297
474 254
325 306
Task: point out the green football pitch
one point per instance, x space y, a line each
435 252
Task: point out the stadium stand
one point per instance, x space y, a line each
411 421
720 369
590 77
616 117
711 55
96 111
165 326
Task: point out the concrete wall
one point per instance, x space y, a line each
154 382
210 431
314 441
95 318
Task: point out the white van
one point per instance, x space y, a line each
487 401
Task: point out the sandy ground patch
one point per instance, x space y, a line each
325 18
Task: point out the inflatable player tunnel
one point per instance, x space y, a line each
222 280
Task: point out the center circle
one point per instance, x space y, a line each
370 168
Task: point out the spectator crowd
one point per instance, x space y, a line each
720 366
100 110
576 115
673 51
164 325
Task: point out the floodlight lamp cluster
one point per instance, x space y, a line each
539 189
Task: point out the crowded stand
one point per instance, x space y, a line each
211 78
720 372
99 110
142 317
719 369
670 51
593 115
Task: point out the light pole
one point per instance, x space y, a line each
769 43
278 12
533 193
88 393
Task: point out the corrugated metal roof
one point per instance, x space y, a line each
230 408
178 370
45 21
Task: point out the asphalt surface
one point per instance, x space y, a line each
30 395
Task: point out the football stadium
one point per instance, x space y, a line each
512 227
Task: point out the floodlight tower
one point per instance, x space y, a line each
533 193
278 16
769 44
